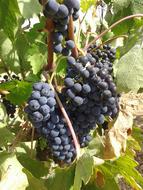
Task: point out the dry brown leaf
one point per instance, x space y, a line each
100 181
116 137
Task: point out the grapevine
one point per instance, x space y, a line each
71 94
89 94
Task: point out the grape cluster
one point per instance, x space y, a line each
90 93
10 108
44 114
60 14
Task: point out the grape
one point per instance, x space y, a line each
70 93
83 59
58 48
71 60
85 73
61 27
72 4
75 16
51 102
45 109
42 100
64 21
70 44
52 7
54 133
55 119
67 147
107 93
62 11
37 116
57 37
45 92
55 147
57 141
35 95
86 88
38 86
65 52
103 85
78 100
34 105
69 82
77 87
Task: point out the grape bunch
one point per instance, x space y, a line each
43 112
10 108
90 93
60 13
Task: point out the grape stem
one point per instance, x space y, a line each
114 38
71 36
112 26
50 60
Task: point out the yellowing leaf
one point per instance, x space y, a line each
115 142
12 177
100 182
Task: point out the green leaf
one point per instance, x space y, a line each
137 6
34 183
5 135
61 67
37 57
61 179
86 4
19 91
3 114
130 71
37 168
8 17
29 7
109 179
120 5
11 173
84 170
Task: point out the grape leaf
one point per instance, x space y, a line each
11 173
61 179
8 17
137 6
61 67
29 7
86 4
129 73
19 91
34 183
116 138
120 4
5 135
37 168
84 170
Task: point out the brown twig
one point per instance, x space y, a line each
114 38
18 136
112 26
71 36
32 138
50 60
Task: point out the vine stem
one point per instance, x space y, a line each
71 36
50 60
112 26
